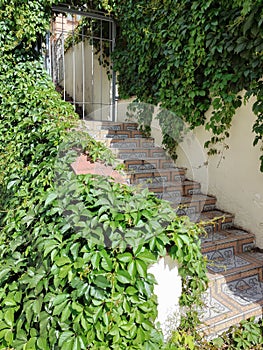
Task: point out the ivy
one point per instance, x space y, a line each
189 56
75 250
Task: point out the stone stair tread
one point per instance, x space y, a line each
104 125
149 159
224 263
225 235
168 184
240 239
152 171
209 216
182 200
230 304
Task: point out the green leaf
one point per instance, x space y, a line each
147 256
64 338
63 260
9 317
77 307
9 336
106 264
102 282
59 308
42 343
123 277
50 198
141 268
66 313
132 269
125 257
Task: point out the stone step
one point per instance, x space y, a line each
177 189
213 220
124 134
139 153
93 125
193 204
148 163
235 293
132 143
224 265
157 176
240 240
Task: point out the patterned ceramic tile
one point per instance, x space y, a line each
155 179
110 127
124 145
244 291
226 225
223 260
212 307
138 167
213 236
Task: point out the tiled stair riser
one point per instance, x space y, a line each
236 281
132 143
240 240
157 176
139 153
104 125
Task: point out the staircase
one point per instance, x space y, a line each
234 264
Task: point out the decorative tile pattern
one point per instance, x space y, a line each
193 191
223 260
226 225
139 167
248 247
212 307
208 207
244 291
186 211
155 179
173 195
134 155
110 127
124 145
212 236
118 136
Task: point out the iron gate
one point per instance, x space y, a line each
78 48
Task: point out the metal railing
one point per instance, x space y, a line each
78 51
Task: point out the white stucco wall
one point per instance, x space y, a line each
168 290
234 176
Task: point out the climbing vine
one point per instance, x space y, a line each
75 250
189 56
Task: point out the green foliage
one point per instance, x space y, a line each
246 335
74 249
189 55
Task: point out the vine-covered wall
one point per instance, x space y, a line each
190 55
74 250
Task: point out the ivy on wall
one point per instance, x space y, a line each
188 56
74 257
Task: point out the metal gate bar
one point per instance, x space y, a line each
60 72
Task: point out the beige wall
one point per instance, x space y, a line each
232 176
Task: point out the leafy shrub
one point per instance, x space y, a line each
246 335
74 250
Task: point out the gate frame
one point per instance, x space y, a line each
66 9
